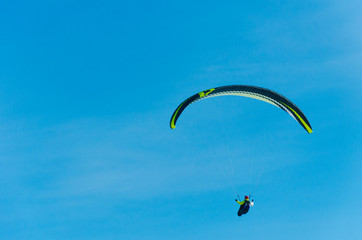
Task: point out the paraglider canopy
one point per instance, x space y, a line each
258 93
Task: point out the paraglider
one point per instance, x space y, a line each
258 93
244 205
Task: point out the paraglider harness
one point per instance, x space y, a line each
244 207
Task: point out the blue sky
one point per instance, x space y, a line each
87 90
